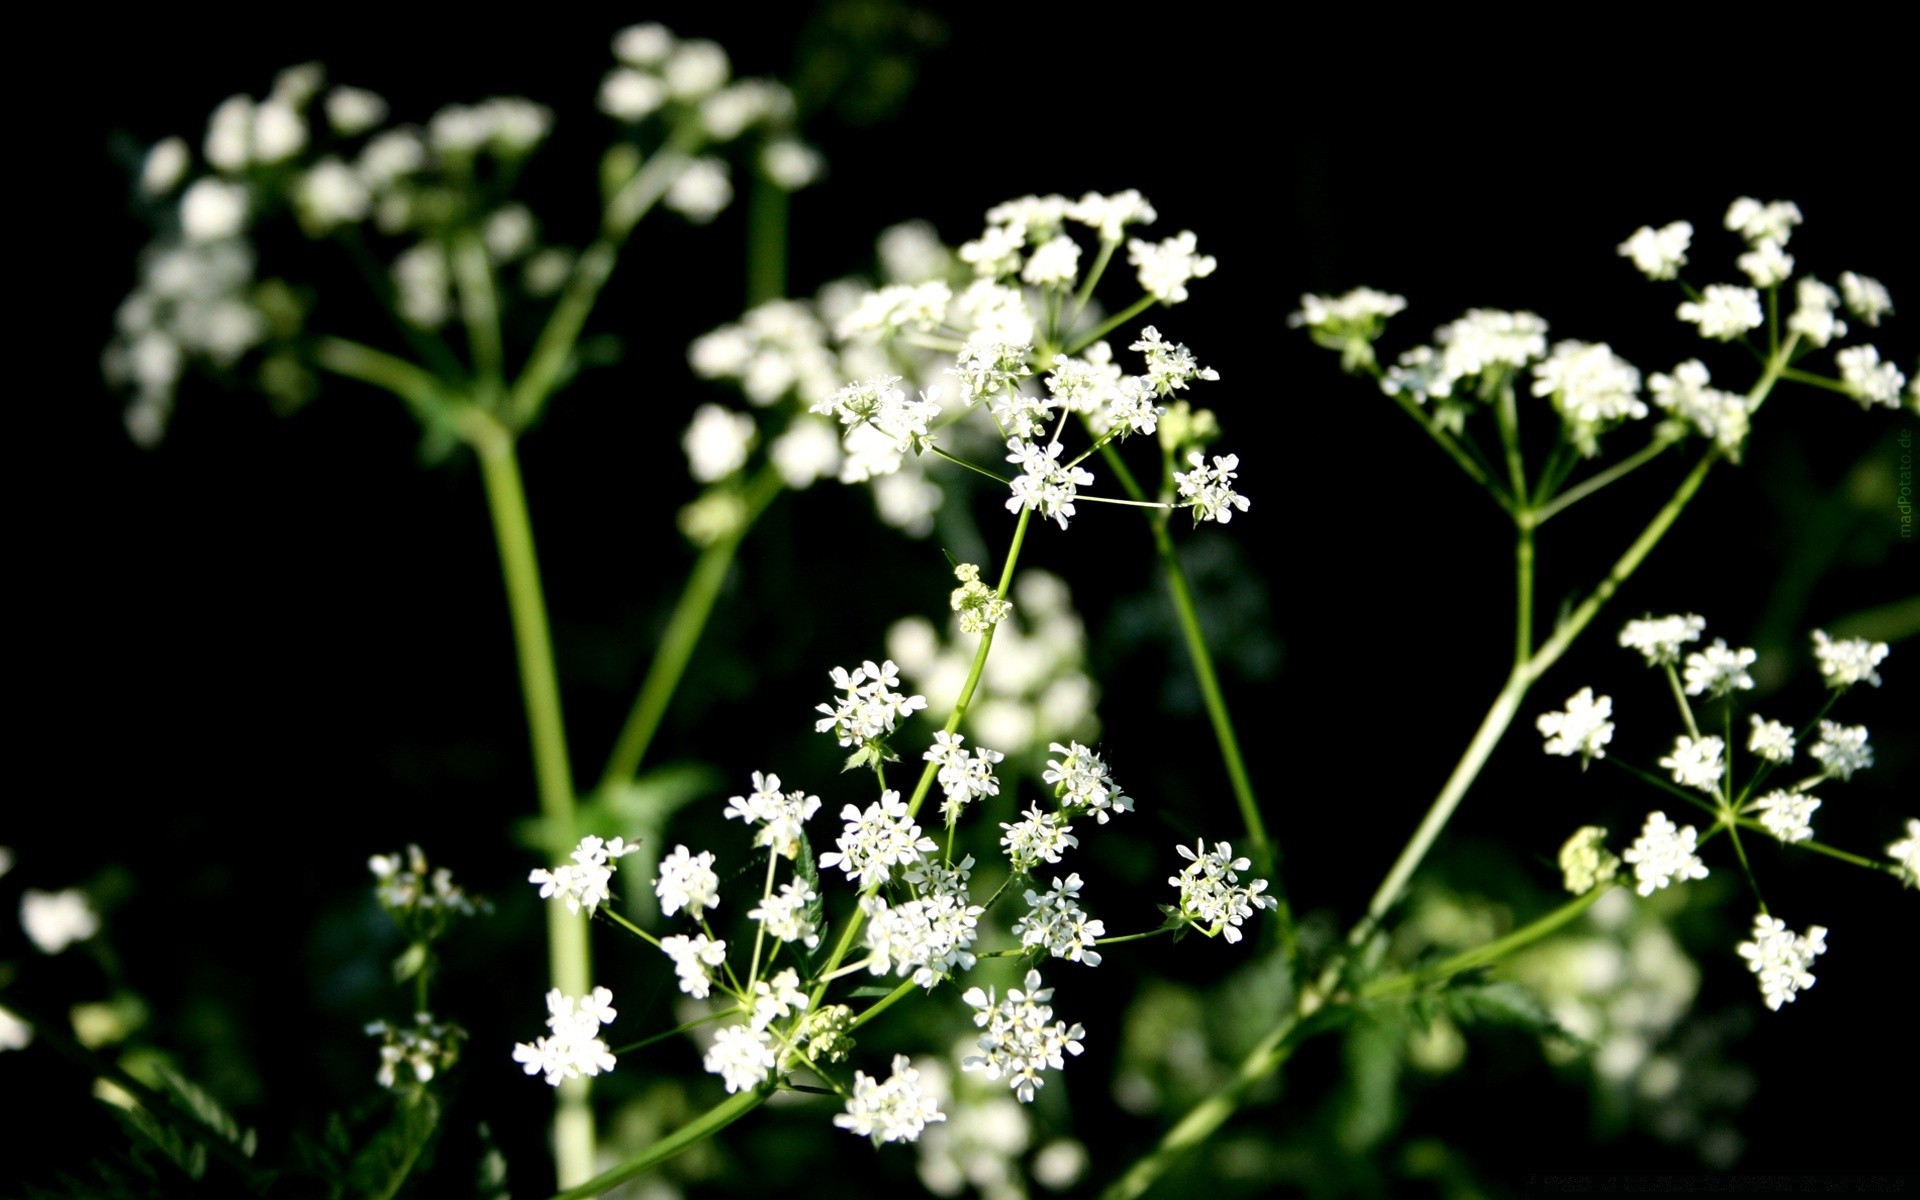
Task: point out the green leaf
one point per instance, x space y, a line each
872 991
1501 1003
1369 1108
198 1101
384 1163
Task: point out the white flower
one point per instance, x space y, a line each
1781 958
785 916
701 190
1659 253
777 998
586 881
717 442
631 96
329 195
792 164
643 45
1210 489
1724 311
878 405
1166 268
1660 638
932 935
1080 779
573 1047
807 451
1211 895
687 881
1842 749
1718 670
869 707
1767 264
1110 215
1906 853
741 1056
1585 861
1870 380
1848 661
980 608
1759 222
877 840
1867 298
964 777
692 956
1036 837
1592 388
696 67
1583 728
424 1049
1663 854
1044 483
1787 815
782 815
352 111
164 167
1170 365
55 920
1695 763
1770 740
211 209
1722 416
1018 1042
1055 262
1813 314
1358 313
1055 921
15 1034
893 1110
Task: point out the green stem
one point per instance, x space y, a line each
568 951
1523 556
978 470
883 1004
684 1138
1507 415
767 208
1111 323
480 309
1448 443
1819 381
1135 937
1680 699
682 635
1587 487
422 390
1492 952
1822 848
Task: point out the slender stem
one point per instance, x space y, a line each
1507 415
1587 487
1135 937
1822 848
618 918
480 309
568 951
767 207
422 390
682 635
684 1138
1812 380
1680 700
1098 269
1523 588
1111 323
883 1004
1494 951
978 470
681 1028
760 927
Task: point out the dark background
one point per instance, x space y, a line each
274 646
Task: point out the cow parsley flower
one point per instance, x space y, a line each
1695 762
573 1047
1813 314
1036 837
1045 483
1020 1039
1867 298
1757 222
1108 216
1848 661
1906 854
687 881
1767 264
1710 412
55 920
1842 749
423 1049
1209 490
1212 897
1724 311
692 959
1781 957
420 898
1659 253
1718 670
877 840
963 776
785 916
1787 815
777 998
931 935
741 1056
1583 728
1357 315
1585 861
1770 740
980 607
781 815
1080 779
1056 922
1592 388
895 1109
1663 854
870 705
1660 638
586 882
1167 268
1870 380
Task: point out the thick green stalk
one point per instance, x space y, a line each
568 955
682 636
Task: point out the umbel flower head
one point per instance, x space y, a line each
1781 958
1582 728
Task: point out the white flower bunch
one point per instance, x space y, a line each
572 1048
587 881
1212 898
420 1050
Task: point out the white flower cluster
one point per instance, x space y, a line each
693 960
1906 854
1770 740
742 1056
417 894
963 776
980 607
1209 490
572 1047
870 706
785 916
687 881
895 1109
1696 762
1697 408
930 935
1037 837
1080 779
1045 483
1842 749
1356 318
1479 344
1788 815
1020 1039
877 840
422 1049
782 816
587 881
1723 311
1584 727
1663 854
1055 922
1659 253
1718 670
1660 638
1848 661
1592 388
55 920
1212 897
883 408
1781 958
